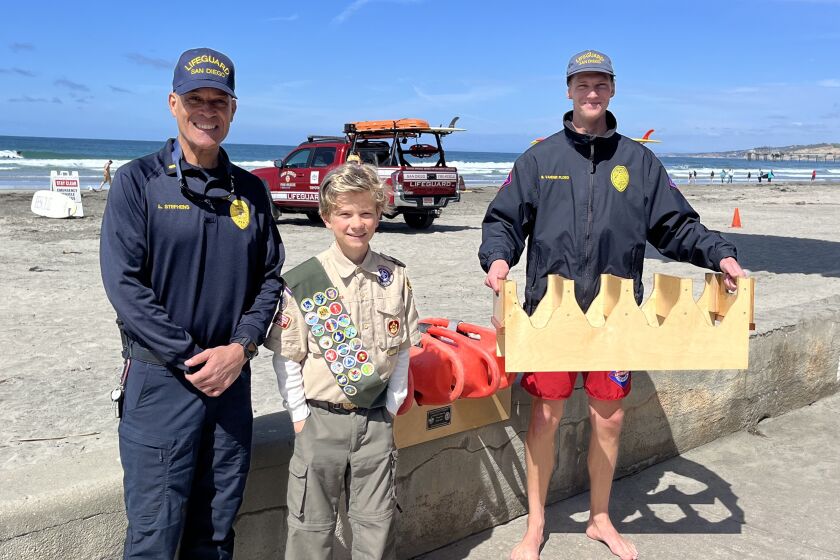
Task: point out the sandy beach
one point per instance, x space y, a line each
60 346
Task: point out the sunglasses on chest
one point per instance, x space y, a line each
187 191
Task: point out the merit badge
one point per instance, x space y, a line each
351 332
317 330
349 390
307 305
311 318
620 378
320 298
393 327
323 312
325 342
361 356
240 213
355 374
336 308
341 379
356 344
367 369
342 349
385 277
331 325
338 336
620 178
331 355
349 361
336 368
331 293
344 321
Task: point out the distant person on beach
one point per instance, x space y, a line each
190 258
813 175
749 176
106 176
632 202
730 176
722 175
713 175
760 175
770 176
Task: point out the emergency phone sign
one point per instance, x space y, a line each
67 183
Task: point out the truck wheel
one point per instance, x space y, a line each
419 221
315 218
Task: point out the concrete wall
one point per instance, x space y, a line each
464 483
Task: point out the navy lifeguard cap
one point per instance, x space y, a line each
589 61
201 68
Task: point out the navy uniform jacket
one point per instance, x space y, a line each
587 205
184 274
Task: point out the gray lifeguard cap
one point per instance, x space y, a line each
200 68
589 61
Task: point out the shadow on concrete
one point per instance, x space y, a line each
659 492
780 255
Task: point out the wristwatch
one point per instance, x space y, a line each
249 346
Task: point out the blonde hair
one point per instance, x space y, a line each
350 178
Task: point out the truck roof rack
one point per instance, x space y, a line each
316 138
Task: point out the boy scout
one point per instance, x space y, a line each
341 349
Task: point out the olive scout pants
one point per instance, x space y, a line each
354 451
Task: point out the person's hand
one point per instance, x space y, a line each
498 271
222 365
299 425
731 270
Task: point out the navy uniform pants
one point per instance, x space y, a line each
185 458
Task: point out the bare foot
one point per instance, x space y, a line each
529 547
602 530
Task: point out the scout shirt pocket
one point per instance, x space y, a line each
390 332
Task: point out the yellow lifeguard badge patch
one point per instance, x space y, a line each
620 178
240 213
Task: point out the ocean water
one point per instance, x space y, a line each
38 156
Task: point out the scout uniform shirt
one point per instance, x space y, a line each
380 302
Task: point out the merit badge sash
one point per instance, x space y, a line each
336 333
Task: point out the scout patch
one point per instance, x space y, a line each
285 321
393 327
386 277
331 293
620 178
240 213
307 305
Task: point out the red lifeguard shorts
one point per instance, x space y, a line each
558 385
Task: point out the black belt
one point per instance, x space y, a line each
339 408
136 351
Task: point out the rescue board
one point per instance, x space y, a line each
52 205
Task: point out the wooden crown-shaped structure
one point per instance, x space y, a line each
670 331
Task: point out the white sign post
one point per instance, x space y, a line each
67 183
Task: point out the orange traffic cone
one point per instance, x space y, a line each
736 219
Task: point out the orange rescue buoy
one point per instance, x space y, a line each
436 371
485 337
481 371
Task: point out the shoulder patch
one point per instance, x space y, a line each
393 260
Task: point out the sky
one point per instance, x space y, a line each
707 75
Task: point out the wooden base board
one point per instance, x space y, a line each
425 423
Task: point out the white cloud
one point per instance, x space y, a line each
831 83
475 94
